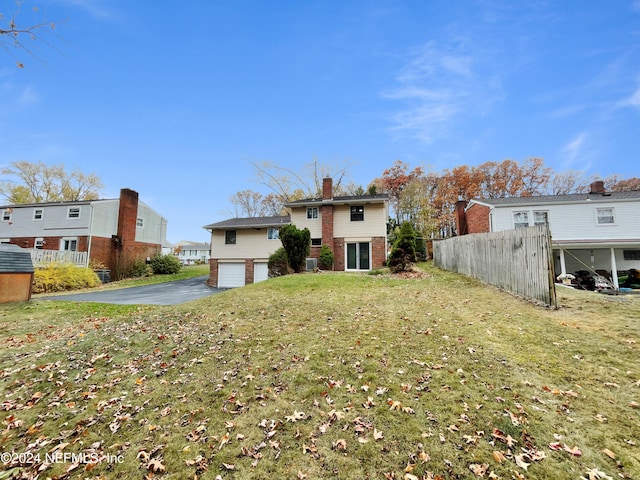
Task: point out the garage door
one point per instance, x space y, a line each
260 272
230 275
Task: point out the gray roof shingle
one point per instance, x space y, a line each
250 222
555 199
14 259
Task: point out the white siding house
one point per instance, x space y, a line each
592 231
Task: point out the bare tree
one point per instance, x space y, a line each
303 183
15 35
38 182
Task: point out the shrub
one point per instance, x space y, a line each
165 264
297 244
278 263
403 253
325 258
139 268
58 277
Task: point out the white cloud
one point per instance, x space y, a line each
437 87
634 100
572 152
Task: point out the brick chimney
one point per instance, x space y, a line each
597 187
327 213
327 188
461 218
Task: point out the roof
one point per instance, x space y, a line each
250 222
378 198
195 246
558 199
14 259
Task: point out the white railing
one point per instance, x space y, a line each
44 257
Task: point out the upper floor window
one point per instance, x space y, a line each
230 237
312 212
73 212
140 222
6 215
520 219
604 216
540 217
38 213
273 233
357 213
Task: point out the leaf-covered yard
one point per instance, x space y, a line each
324 376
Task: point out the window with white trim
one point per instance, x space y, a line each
38 213
312 212
273 233
520 219
73 212
69 244
605 216
39 243
6 215
140 222
540 217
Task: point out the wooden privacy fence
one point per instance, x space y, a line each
519 261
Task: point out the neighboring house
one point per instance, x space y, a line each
111 232
190 253
354 227
590 231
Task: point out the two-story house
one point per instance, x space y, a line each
191 253
591 231
110 232
354 227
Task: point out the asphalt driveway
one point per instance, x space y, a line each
170 293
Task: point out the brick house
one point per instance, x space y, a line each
111 232
354 227
591 231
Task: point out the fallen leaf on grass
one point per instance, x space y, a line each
520 462
595 474
155 466
479 469
609 453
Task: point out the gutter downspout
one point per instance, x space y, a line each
90 236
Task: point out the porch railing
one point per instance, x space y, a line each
43 257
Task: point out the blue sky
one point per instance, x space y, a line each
176 99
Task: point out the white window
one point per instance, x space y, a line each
6 215
69 244
604 216
39 243
37 213
520 219
312 212
540 217
140 222
273 233
73 212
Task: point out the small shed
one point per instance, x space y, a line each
16 274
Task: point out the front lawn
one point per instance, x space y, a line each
326 376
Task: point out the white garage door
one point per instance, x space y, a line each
230 275
260 272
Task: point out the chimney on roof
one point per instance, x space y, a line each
327 188
597 187
461 217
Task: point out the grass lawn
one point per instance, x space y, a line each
325 376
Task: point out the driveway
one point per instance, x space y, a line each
170 293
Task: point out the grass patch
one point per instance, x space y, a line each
327 375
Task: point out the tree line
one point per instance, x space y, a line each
426 199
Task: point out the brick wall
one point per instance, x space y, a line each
378 252
477 217
338 254
213 273
248 271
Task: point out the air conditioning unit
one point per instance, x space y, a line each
312 264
